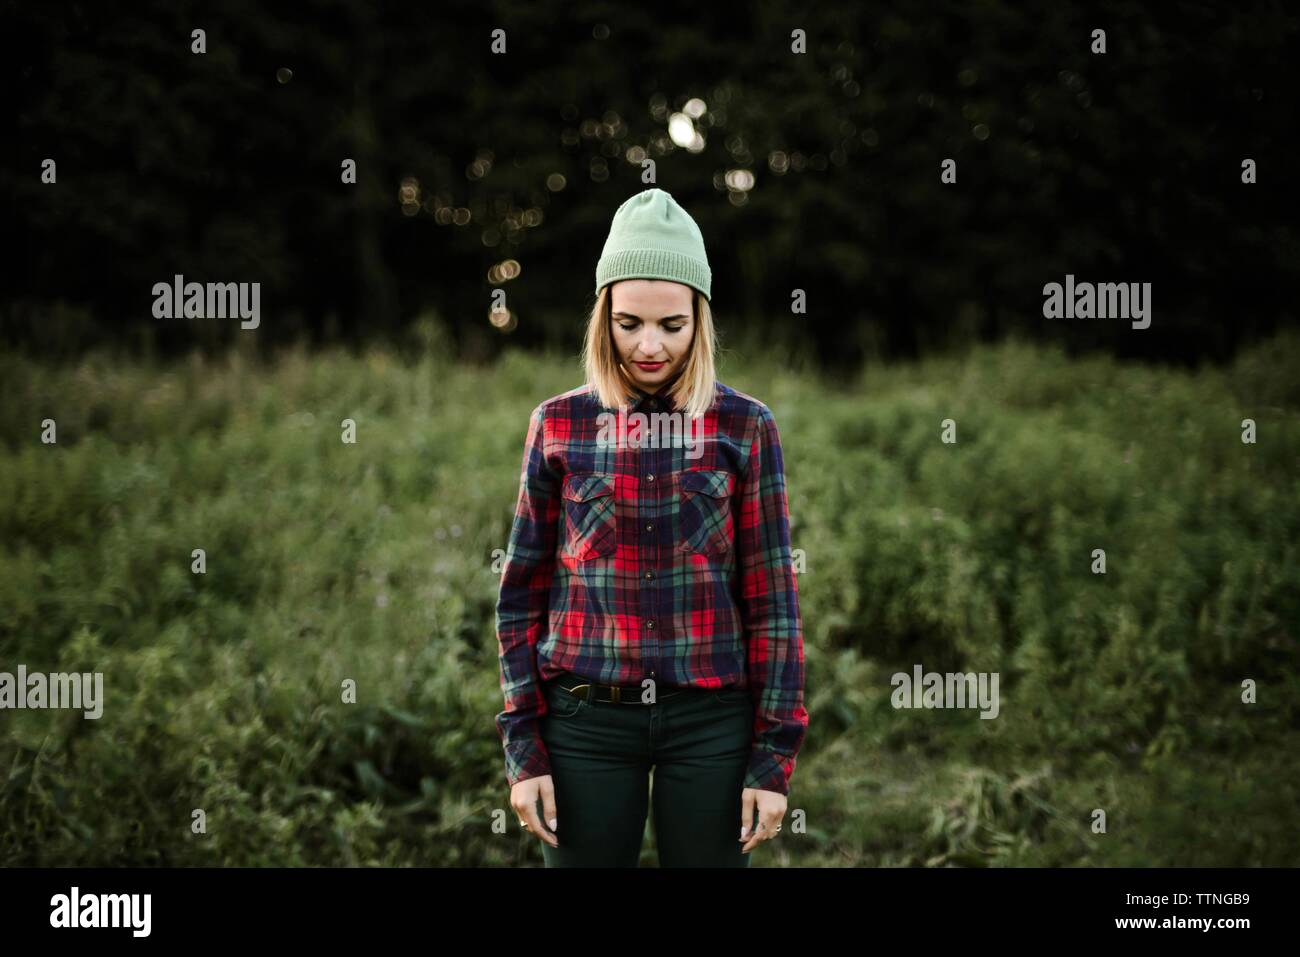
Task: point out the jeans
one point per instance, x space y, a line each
698 743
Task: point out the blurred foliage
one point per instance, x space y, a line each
373 562
1123 166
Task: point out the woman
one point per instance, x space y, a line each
648 618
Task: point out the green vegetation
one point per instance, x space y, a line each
374 562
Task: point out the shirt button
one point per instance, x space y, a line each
650 623
649 574
649 478
650 527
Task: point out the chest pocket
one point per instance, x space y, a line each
705 521
589 519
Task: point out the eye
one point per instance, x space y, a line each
674 328
627 327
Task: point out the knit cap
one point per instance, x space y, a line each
652 237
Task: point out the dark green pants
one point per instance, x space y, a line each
698 744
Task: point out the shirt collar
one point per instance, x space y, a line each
660 400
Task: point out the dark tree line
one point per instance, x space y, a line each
1115 167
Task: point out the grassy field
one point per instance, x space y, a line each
373 562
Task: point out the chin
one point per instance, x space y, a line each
642 375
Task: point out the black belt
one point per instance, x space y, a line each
618 694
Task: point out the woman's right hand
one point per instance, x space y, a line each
523 798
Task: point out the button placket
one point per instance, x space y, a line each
649 556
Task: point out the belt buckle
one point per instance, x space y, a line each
615 694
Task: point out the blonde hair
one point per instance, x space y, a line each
694 388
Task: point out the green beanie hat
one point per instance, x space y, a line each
652 237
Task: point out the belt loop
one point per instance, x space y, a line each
615 693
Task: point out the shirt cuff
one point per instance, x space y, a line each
526 758
769 770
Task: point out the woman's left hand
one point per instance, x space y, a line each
771 809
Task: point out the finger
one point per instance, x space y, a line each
548 804
758 835
535 824
746 813
769 818
771 821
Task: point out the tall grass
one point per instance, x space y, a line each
372 562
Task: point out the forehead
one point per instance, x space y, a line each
650 298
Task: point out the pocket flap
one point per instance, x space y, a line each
718 483
583 486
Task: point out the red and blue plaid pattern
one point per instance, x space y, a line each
631 558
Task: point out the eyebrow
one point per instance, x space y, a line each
628 315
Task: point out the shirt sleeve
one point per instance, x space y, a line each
770 611
522 608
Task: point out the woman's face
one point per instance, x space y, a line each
652 326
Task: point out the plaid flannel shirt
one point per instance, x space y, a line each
666 558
